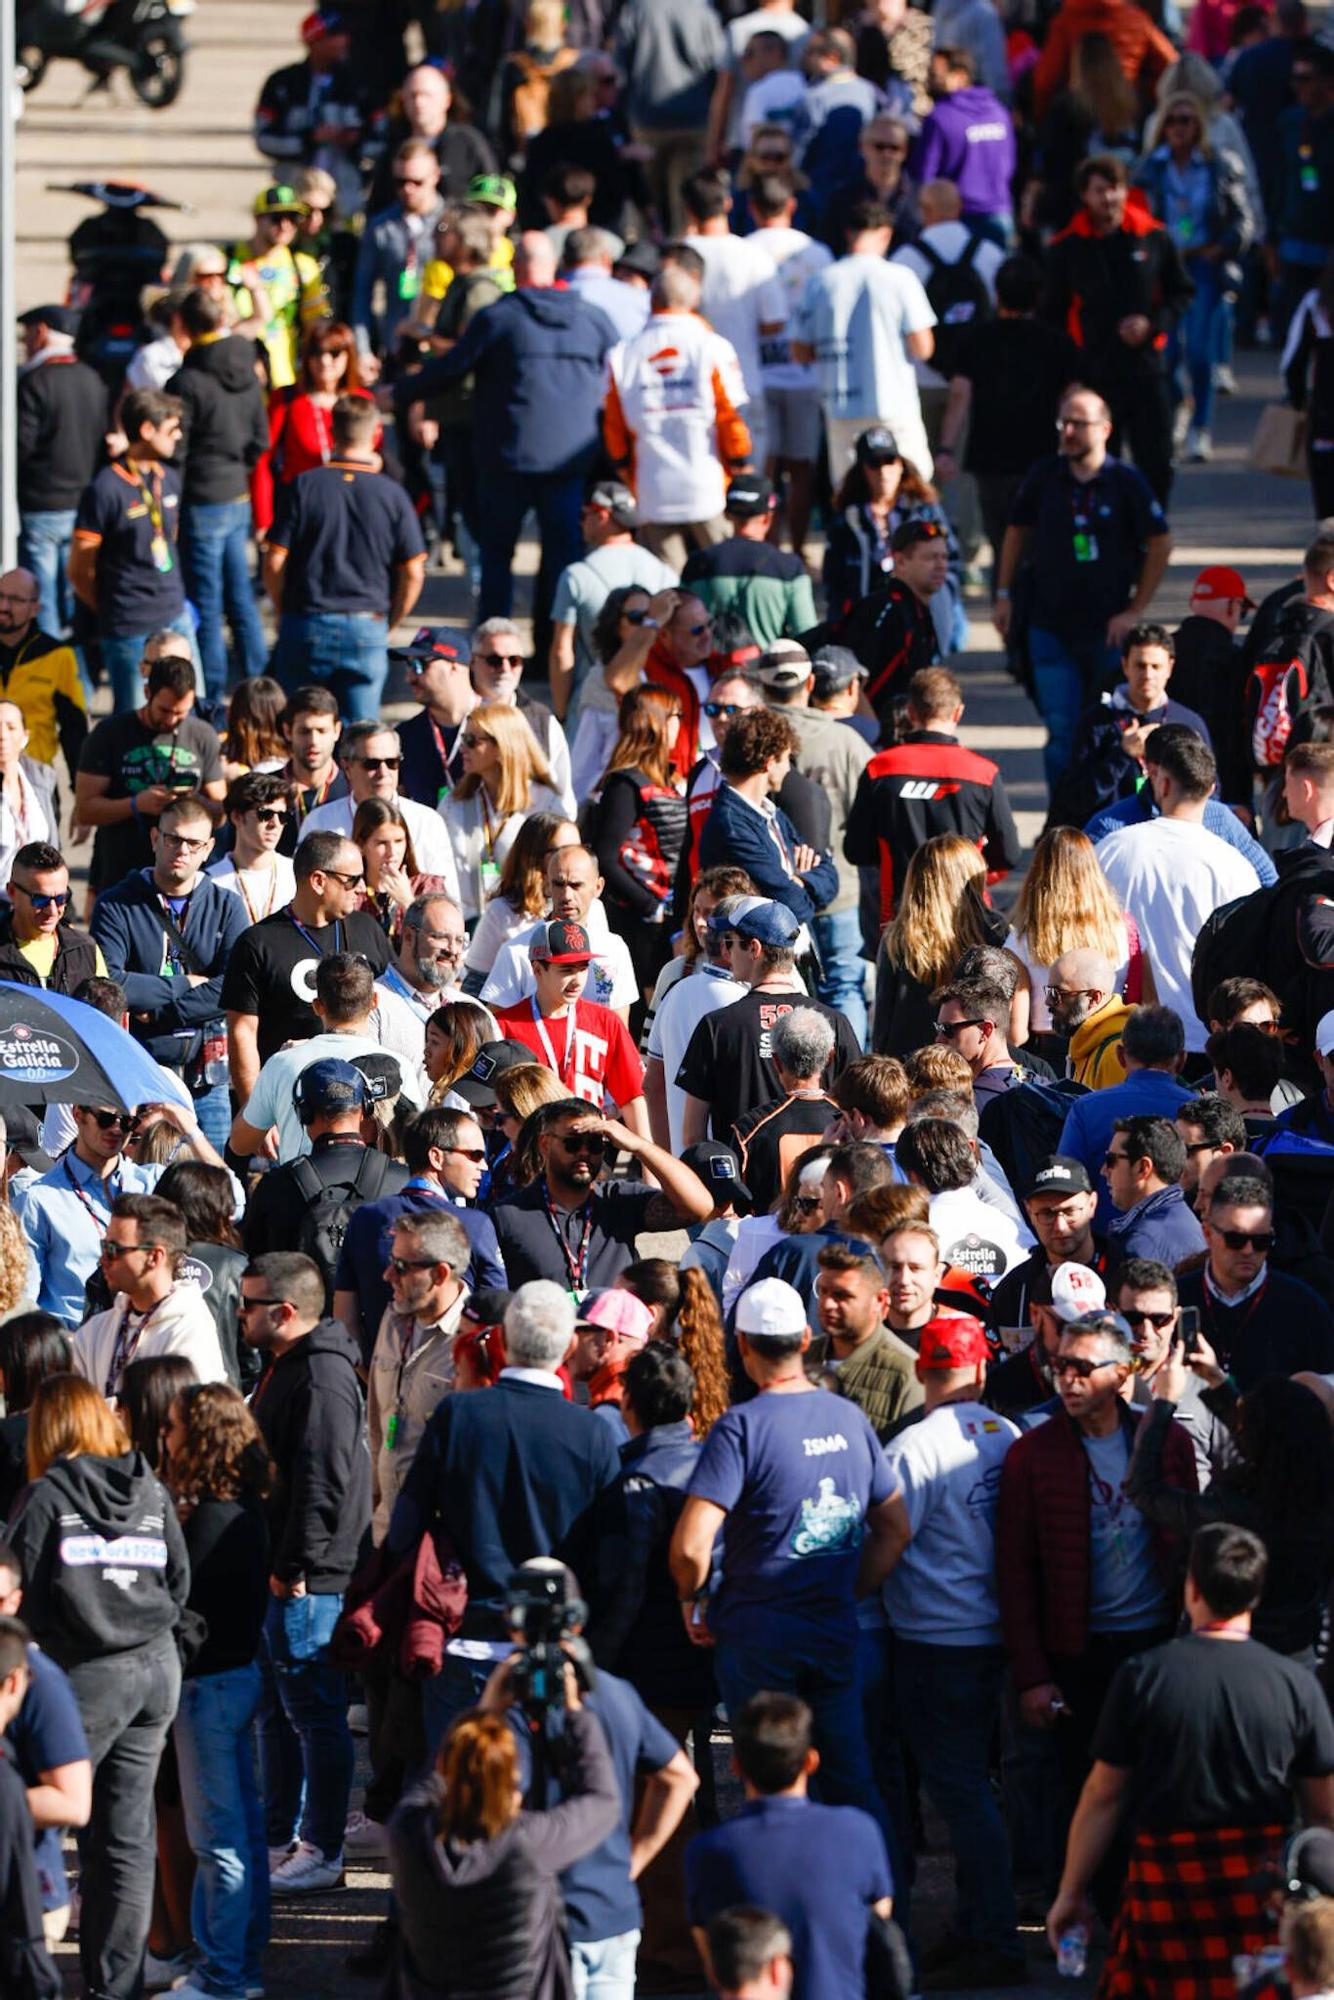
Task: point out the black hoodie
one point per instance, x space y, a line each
224 432
103 1558
310 1408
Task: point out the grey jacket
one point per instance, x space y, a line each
671 51
382 261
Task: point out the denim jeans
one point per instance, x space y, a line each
1196 341
127 1701
213 1109
829 1684
457 1686
215 1750
842 984
215 548
122 652
604 1970
305 1746
1067 675
45 540
345 651
948 1702
503 499
875 1682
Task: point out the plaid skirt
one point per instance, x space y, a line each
1191 1901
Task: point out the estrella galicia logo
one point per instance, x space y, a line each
32 1055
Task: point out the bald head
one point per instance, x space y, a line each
18 604
534 259
1078 984
940 201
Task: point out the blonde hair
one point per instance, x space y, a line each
1192 75
1067 903
316 187
522 764
68 1419
940 911
524 1086
1157 132
544 24
1096 75
13 1259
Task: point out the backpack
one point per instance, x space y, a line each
330 1206
1275 692
1234 940
529 104
1023 1125
959 300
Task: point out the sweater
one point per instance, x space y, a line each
309 1406
128 923
224 429
1163 1226
1094 1057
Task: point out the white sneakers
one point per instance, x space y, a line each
161 1974
363 1837
1199 447
305 1871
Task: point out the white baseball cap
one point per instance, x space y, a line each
1075 1290
771 1310
1324 1034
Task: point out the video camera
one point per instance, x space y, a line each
544 1615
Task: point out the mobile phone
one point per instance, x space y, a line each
1188 1330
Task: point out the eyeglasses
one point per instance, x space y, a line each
477 1154
713 709
947 1030
502 659
806 1204
1054 994
182 844
592 1143
111 1250
271 815
1239 1239
348 881
127 1120
445 939
1134 1318
40 902
1074 1364
380 763
401 1264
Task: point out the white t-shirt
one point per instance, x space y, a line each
775 100
950 241
857 315
700 993
1039 976
264 889
942 1590
976 1237
1170 874
271 1100
741 294
762 20
798 258
611 976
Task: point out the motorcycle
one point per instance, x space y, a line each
143 37
115 254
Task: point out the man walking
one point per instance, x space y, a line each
61 420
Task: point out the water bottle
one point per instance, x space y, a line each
1072 1952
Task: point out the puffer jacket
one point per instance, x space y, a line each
1231 222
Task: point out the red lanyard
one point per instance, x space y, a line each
576 1262
80 1196
127 1343
562 1070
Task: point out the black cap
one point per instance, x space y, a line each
60 319
909 533
428 642
1309 1863
382 1074
718 1168
491 1061
612 498
878 446
487 1305
23 1136
641 259
1059 1174
748 495
835 668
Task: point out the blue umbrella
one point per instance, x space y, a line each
54 1050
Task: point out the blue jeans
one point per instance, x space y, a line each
305 1746
842 984
829 1684
122 653
503 499
456 1687
45 541
948 1703
875 1681
213 1109
215 1750
215 547
604 1970
1197 341
345 651
1067 675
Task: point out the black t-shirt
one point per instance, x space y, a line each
345 529
769 1138
271 971
1019 369
136 517
133 756
531 1249
1214 1733
729 1061
1088 540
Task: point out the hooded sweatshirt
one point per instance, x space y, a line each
103 1558
969 139
224 431
308 1404
180 1324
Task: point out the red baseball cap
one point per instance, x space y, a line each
1219 585
322 22
560 943
956 1340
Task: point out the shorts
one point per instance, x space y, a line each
793 423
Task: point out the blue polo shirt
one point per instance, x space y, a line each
46 1733
365 1250
1150 1093
345 529
820 1868
1088 540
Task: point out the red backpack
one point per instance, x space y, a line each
1275 694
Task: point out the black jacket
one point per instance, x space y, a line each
75 960
893 634
60 422
27 1970
1279 1330
1298 631
1209 676
926 785
228 1543
310 1408
102 1557
224 431
1094 282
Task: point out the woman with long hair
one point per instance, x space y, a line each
115 1638
1067 904
1098 112
148 1389
475 1875
505 777
941 912
520 896
639 827
880 491
574 136
253 739
205 1197
686 1315
520 1091
619 635
707 891
33 1345
454 1033
1308 375
16 1266
219 1475
392 877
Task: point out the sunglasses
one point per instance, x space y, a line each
111 1250
713 709
1180 118
248 1305
1109 1160
379 763
40 902
471 742
1133 1318
806 1204
947 1030
410 180
1074 1364
698 631
348 881
127 1120
401 1264
1240 1239
592 1143
271 815
502 659
635 617
888 146
477 1154
1200 1146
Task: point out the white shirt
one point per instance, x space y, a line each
975 1237
1170 874
18 828
857 315
263 889
782 21
479 840
775 100
401 1029
611 976
423 1004
430 841
950 241
702 992
798 258
741 294
271 1099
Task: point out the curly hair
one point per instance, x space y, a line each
224 1456
688 1317
13 1259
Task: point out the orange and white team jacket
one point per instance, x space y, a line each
672 418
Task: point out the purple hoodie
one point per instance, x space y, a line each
968 139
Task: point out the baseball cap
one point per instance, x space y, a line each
1219 585
428 642
784 665
476 1086
1324 1034
1060 1174
766 923
1075 1291
329 1085
323 21
23 1136
616 500
718 1168
60 319
1309 1863
559 943
382 1075
641 259
771 1310
955 1340
878 446
279 199
1100 1321
487 1305
749 495
835 668
619 1312
910 533
495 190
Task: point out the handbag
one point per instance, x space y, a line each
1279 444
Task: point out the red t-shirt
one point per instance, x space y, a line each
593 1056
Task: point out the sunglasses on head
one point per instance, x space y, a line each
1075 1364
1241 1239
43 902
1133 1318
379 763
592 1143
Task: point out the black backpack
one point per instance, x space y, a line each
959 300
1235 941
330 1206
1022 1125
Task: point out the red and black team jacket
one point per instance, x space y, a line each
1094 282
928 784
893 634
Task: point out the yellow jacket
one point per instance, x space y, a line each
44 683
1095 1048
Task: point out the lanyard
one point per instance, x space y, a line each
127 1343
152 500
314 943
576 1261
251 911
82 1198
320 796
447 757
324 428
560 1069
488 831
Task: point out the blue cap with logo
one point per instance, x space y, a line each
758 918
327 1086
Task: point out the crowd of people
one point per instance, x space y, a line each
645 1219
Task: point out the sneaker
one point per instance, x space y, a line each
358 1720
1225 382
1180 425
305 1871
1200 449
161 1974
277 1855
362 1836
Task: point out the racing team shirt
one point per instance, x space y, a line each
926 785
588 1047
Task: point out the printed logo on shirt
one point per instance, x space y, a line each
984 1492
771 1013
32 1055
926 788
977 1256
829 1523
590 1062
95 1551
303 979
193 1271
